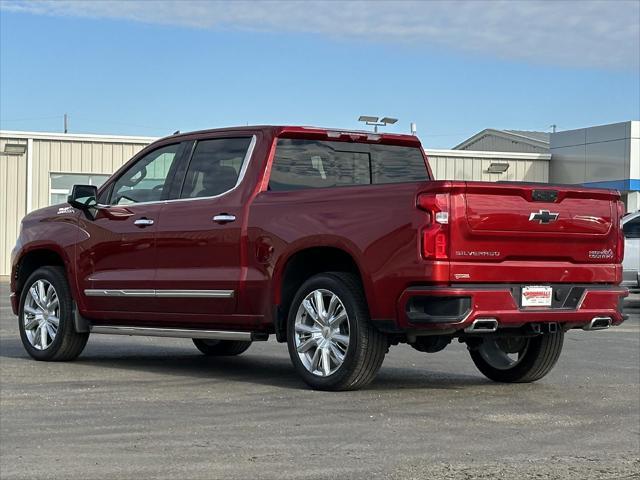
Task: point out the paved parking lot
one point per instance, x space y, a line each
156 408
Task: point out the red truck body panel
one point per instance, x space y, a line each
489 239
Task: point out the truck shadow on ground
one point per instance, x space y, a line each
255 368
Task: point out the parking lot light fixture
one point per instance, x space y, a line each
376 122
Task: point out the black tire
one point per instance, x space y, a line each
221 348
539 357
366 348
68 343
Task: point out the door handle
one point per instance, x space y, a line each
143 222
224 218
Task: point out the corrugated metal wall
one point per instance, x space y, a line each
13 199
467 165
53 154
493 143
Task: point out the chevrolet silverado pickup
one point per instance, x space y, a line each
339 243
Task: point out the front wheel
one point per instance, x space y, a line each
46 317
331 341
517 359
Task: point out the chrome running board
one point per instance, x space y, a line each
175 333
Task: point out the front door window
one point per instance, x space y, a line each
148 180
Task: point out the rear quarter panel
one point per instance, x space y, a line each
377 225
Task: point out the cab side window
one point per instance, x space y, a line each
214 167
148 179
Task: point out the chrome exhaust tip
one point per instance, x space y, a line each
598 323
482 325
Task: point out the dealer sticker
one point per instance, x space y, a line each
536 296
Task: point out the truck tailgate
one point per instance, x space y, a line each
553 233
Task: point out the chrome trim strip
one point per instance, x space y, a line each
97 292
171 332
195 293
91 292
243 169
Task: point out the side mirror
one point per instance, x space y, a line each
83 197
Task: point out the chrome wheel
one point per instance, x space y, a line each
322 332
504 353
41 314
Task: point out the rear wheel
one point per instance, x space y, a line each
221 348
331 341
46 317
517 359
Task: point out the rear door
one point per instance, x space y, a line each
199 234
116 261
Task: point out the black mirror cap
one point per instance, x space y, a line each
83 196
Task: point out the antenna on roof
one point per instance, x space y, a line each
553 127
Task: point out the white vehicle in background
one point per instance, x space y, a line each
631 263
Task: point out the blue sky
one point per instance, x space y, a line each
150 68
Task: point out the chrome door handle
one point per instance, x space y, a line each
143 222
224 218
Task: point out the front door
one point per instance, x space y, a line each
117 259
199 236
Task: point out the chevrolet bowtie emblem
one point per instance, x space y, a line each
543 216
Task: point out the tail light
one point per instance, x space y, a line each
435 236
620 244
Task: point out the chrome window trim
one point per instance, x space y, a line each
243 170
100 292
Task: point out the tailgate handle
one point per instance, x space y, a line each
545 195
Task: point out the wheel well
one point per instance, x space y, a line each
32 261
302 266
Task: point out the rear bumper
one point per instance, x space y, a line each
455 308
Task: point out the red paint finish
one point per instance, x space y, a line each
396 235
113 253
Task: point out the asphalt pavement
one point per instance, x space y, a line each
154 408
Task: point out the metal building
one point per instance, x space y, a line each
489 166
38 169
493 140
606 156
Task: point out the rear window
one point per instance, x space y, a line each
300 164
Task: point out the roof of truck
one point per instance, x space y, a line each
303 130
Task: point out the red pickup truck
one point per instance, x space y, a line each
340 243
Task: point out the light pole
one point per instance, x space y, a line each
377 121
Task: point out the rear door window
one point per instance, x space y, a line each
215 167
301 164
